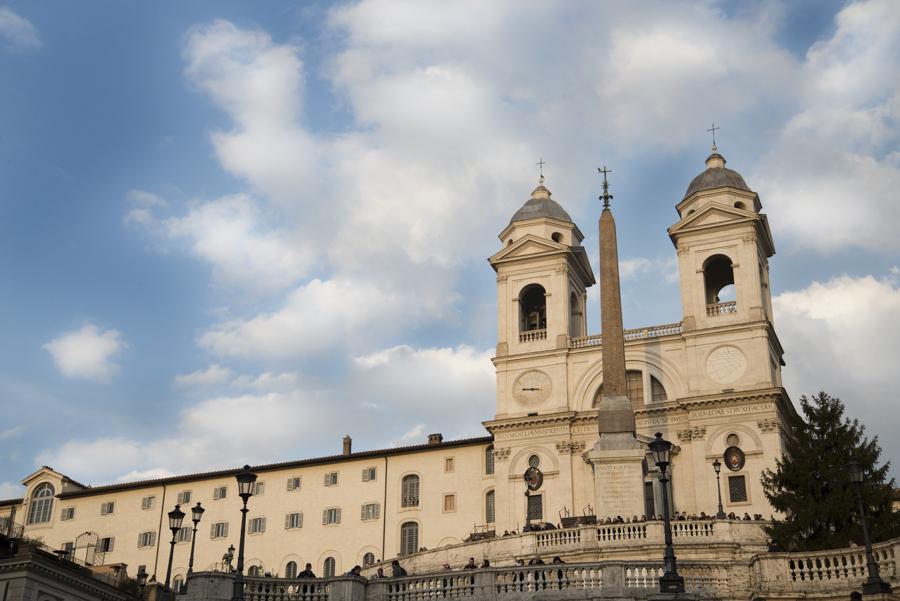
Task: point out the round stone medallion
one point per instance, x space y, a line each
726 364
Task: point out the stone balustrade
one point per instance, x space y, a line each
836 570
721 308
668 329
822 575
532 335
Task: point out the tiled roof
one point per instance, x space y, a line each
96 490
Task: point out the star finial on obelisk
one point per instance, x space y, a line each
606 195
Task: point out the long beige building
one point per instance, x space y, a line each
710 383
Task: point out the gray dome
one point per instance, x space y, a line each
716 176
541 205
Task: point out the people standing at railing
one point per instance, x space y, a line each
379 574
397 571
307 572
355 571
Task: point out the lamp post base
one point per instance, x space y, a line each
671 583
876 587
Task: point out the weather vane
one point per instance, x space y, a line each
540 165
606 195
713 130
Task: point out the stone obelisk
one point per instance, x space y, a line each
618 456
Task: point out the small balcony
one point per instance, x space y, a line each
721 308
532 335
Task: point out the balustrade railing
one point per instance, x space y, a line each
556 538
667 329
532 335
283 589
692 529
721 308
621 532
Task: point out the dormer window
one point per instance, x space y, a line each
533 308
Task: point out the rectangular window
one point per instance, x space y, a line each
258 488
68 513
649 500
331 479
449 503
368 474
331 516
370 511
148 502
448 464
107 508
294 483
536 507
146 539
184 535
737 489
106 544
293 520
220 492
218 530
256 526
184 497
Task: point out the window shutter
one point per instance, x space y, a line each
362 512
112 542
287 521
212 531
225 530
337 517
377 511
325 516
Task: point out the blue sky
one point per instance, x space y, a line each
233 232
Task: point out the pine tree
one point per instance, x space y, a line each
811 487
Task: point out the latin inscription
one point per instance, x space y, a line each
531 433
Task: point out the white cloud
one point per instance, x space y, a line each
316 317
13 432
268 381
11 490
16 32
830 180
843 336
142 205
414 435
87 353
213 375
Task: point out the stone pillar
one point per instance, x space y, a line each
207 586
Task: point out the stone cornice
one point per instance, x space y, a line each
74 576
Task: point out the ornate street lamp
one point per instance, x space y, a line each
670 581
196 514
245 480
141 579
717 465
874 584
176 517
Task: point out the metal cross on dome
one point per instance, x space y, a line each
606 195
713 130
540 165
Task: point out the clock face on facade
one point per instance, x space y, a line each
532 387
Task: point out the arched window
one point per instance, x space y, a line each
290 570
657 390
409 538
410 491
41 504
718 279
575 317
253 571
634 387
368 559
533 308
329 567
178 584
489 460
489 512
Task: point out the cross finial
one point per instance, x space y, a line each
540 165
713 130
606 195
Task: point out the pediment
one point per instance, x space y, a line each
528 245
712 215
43 472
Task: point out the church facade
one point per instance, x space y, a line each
711 384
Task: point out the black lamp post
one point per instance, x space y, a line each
874 584
717 465
176 517
141 579
196 514
245 480
670 581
